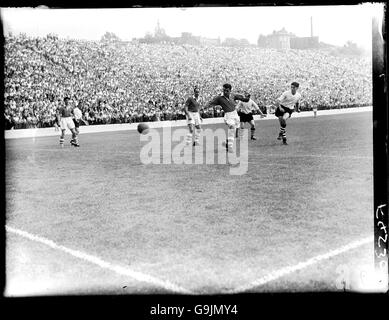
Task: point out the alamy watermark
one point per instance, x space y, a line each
163 149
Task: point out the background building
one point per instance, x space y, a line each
284 40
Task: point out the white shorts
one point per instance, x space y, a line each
232 119
195 118
67 122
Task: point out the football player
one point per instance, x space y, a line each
286 104
231 118
64 118
245 112
193 118
77 118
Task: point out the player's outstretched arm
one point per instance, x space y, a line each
57 121
256 107
241 98
210 104
278 105
238 106
186 109
84 121
201 118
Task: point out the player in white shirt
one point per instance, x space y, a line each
245 112
286 104
77 117
314 108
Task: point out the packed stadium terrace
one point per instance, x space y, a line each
127 82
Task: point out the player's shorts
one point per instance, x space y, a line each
76 123
245 117
195 118
280 113
67 122
232 119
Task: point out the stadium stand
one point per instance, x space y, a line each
127 82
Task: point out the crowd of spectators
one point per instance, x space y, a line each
128 82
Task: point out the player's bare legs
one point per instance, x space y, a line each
282 120
252 130
239 131
282 133
74 140
77 133
190 134
197 134
231 132
62 137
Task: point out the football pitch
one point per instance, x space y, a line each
96 220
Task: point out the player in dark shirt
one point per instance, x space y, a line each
64 118
228 103
193 118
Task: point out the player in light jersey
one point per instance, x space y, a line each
314 108
64 118
193 118
245 112
228 103
77 117
286 104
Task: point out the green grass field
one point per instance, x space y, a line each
195 226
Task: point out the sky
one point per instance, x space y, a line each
332 24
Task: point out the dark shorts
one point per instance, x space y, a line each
280 113
76 123
245 117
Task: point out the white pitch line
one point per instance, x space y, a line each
302 265
101 263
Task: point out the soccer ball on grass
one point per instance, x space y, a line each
143 128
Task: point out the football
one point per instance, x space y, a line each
143 128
